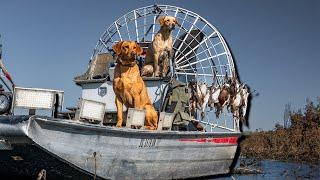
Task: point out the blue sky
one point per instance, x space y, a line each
275 44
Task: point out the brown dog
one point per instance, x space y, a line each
160 50
128 85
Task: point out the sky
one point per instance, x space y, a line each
275 45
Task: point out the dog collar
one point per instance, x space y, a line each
127 65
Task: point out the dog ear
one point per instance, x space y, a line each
139 50
117 47
161 20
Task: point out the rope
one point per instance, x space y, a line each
215 76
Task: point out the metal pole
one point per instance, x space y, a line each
4 70
7 86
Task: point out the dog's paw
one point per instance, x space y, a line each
156 74
119 125
150 127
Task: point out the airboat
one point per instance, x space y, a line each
85 136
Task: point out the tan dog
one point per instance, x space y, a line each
128 85
160 50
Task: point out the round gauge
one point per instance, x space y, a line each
4 103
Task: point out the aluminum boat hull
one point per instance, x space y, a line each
121 153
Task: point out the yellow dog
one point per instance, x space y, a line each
128 85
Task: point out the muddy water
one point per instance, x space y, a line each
268 169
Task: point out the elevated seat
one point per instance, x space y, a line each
97 70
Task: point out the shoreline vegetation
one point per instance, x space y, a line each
298 142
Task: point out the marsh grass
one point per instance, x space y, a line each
300 142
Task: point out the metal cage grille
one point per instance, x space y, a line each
201 53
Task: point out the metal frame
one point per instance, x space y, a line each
207 62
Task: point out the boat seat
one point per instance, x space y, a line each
100 64
98 68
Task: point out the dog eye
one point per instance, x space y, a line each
134 47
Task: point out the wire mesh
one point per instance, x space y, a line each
201 53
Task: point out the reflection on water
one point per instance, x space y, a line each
278 170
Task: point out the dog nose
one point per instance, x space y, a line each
133 53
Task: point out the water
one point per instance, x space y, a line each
278 170
34 159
